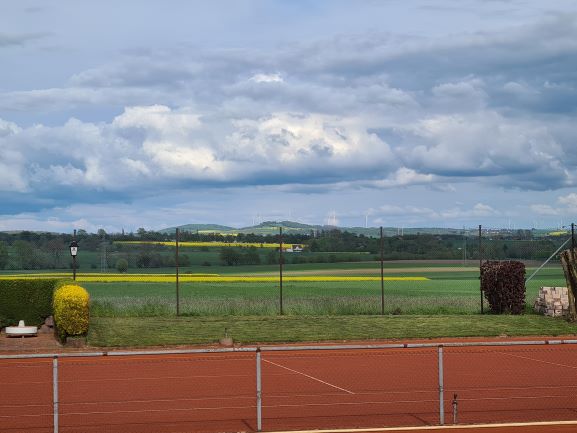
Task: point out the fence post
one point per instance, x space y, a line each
177 279
74 257
480 264
258 392
55 392
280 260
572 238
382 277
441 388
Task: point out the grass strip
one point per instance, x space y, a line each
164 331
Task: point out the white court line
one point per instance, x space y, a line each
310 377
433 428
538 360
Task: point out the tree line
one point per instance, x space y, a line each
33 250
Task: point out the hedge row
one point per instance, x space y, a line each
503 284
71 310
28 300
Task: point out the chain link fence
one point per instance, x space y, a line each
280 388
327 273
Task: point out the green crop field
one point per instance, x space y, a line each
448 290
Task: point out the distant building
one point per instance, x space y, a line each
296 248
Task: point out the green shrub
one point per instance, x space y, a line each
122 265
26 299
71 310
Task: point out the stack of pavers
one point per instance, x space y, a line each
552 301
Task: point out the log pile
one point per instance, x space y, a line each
503 284
569 262
552 301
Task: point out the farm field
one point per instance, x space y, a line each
427 290
410 288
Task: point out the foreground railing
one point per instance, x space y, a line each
290 387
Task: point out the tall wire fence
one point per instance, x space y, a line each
279 388
330 273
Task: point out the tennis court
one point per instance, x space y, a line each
292 388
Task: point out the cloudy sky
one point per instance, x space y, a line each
141 113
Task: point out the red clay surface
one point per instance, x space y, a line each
301 390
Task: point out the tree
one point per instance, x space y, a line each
24 254
3 255
272 257
230 256
122 265
251 256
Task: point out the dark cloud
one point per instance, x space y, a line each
20 40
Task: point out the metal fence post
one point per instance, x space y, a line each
55 392
280 262
258 392
480 265
177 275
455 404
441 388
572 238
382 276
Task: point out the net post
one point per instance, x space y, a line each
55 401
441 387
258 391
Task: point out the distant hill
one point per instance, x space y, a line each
272 228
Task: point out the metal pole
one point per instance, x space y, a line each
480 264
572 238
74 260
280 260
547 261
258 392
441 388
177 280
55 392
455 408
382 277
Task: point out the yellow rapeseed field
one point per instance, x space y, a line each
203 278
211 244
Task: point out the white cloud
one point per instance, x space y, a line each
570 201
158 118
267 78
479 211
544 210
461 95
487 144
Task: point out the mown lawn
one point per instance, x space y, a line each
163 331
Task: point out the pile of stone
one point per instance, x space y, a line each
552 301
48 326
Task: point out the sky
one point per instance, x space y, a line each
403 113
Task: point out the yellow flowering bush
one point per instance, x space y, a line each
71 310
